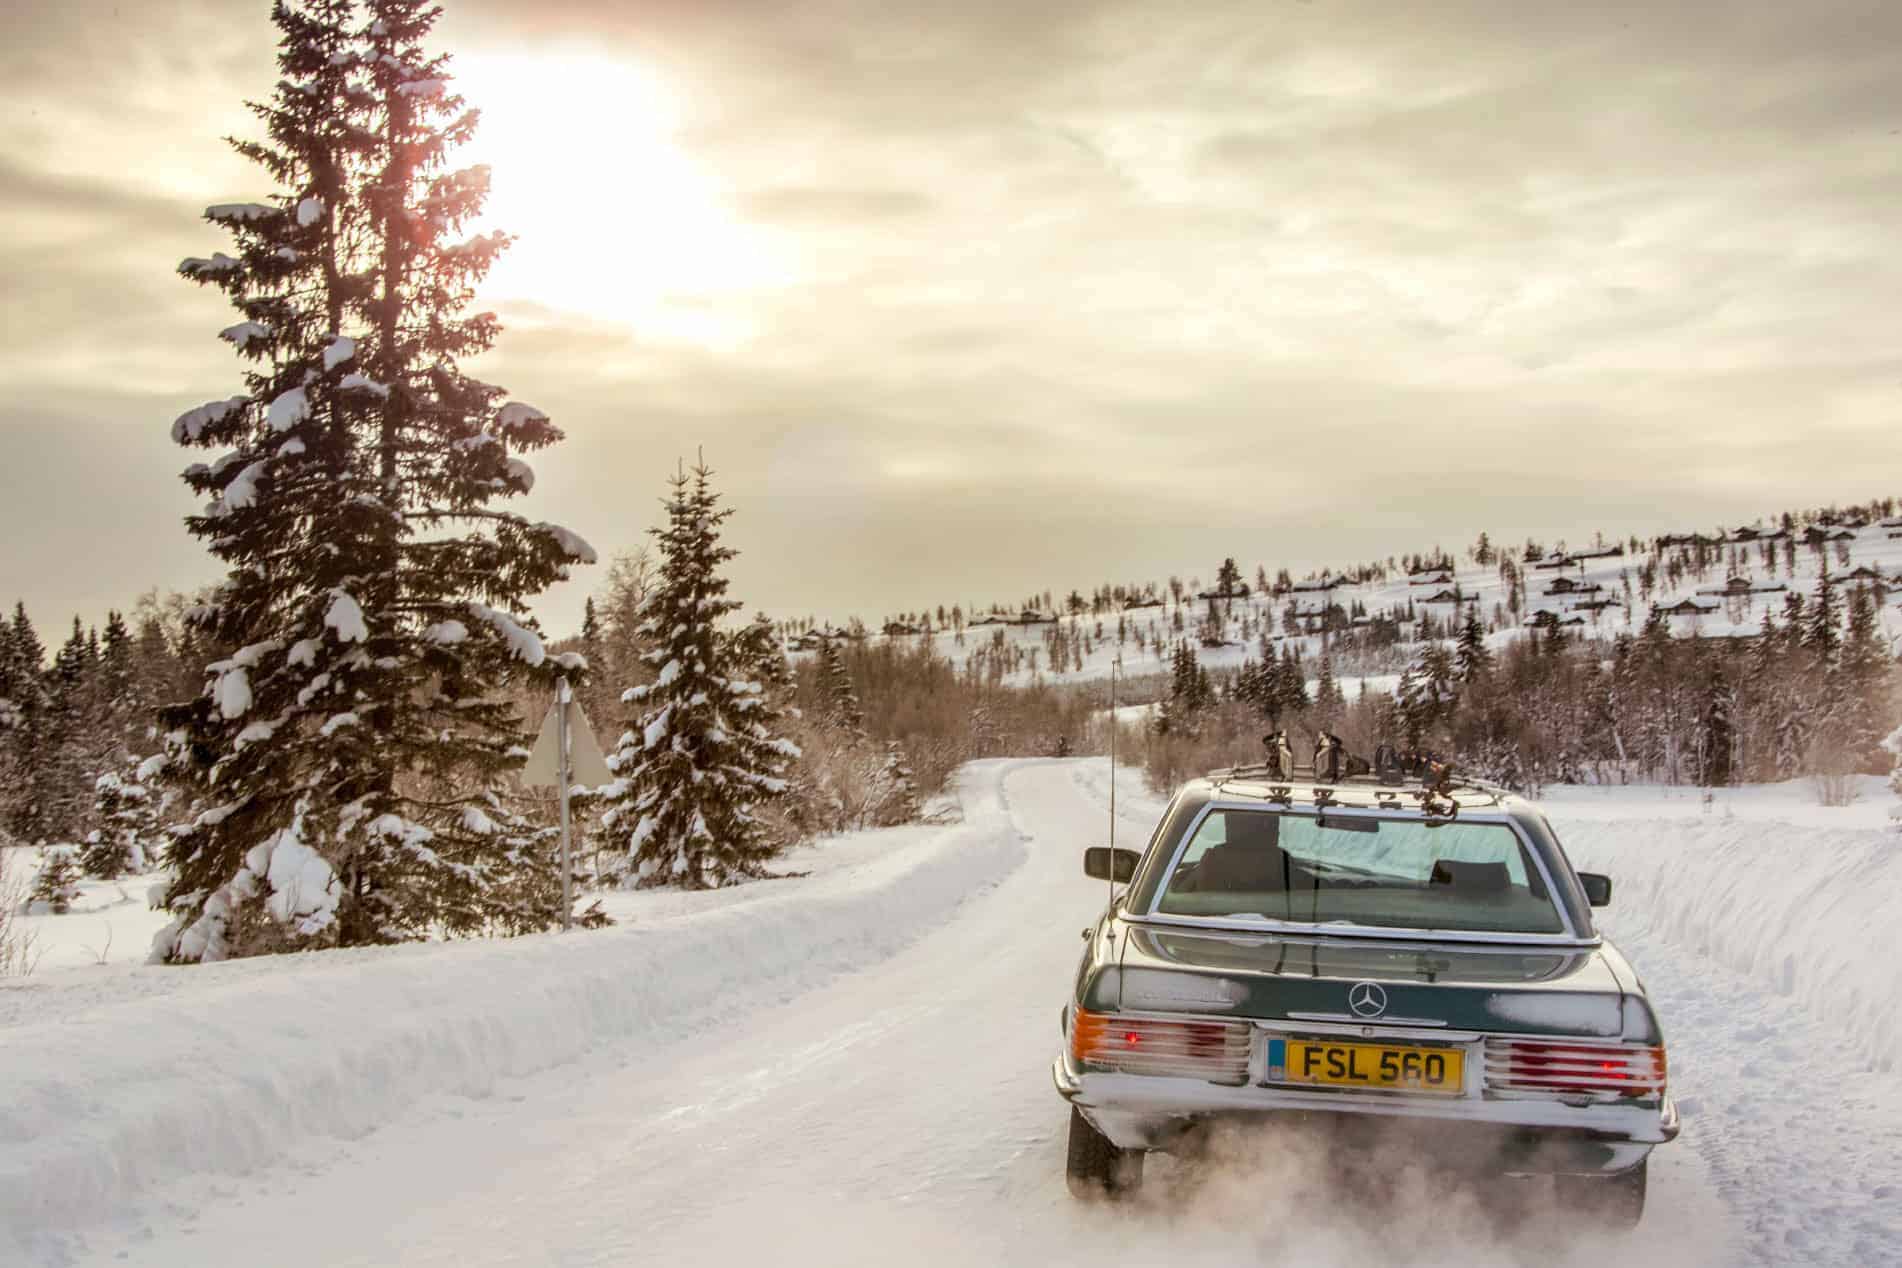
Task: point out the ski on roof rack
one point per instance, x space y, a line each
1394 778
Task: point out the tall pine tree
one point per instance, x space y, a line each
28 703
351 751
699 757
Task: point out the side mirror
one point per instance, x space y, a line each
1597 888
1105 864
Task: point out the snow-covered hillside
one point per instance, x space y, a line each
1594 594
852 1067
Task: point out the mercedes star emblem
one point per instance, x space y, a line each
1366 999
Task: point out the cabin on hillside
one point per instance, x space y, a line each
1316 586
1815 535
1031 616
1739 587
1555 561
1843 519
1603 552
1567 585
1450 596
898 629
1687 607
1547 619
1239 592
1146 601
1863 574
1438 577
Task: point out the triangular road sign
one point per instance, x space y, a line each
586 767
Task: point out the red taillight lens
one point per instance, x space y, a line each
1574 1067
1217 1051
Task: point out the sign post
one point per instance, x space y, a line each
565 754
561 748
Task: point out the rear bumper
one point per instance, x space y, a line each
1518 1136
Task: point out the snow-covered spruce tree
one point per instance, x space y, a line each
26 755
57 885
19 688
127 819
842 698
898 790
351 751
1472 656
71 740
760 652
700 756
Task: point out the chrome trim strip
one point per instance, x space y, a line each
1570 937
1383 1019
1359 1029
1429 937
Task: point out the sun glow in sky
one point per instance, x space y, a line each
946 292
614 220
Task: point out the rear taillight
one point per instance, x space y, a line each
1212 1050
1574 1068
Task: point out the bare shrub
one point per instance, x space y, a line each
19 944
942 716
1834 788
1833 769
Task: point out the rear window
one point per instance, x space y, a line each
1393 873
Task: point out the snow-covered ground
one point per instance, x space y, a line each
111 922
1871 546
852 1067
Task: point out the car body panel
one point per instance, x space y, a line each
1463 985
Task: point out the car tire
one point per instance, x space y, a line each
1613 1202
1096 1168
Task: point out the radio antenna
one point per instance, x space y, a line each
1115 726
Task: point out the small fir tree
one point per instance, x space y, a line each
56 888
700 757
1473 657
897 790
843 711
127 818
758 652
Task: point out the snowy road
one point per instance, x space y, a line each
901 1110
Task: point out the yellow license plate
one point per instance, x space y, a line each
1375 1065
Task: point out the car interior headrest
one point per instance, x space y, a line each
1475 878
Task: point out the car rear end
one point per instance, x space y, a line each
1562 1082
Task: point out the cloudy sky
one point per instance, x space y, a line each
965 301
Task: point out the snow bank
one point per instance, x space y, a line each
1810 912
237 1062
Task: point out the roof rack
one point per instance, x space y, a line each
1434 797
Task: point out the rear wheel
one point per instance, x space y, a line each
1614 1201
1096 1168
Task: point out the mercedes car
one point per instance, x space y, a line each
1360 954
